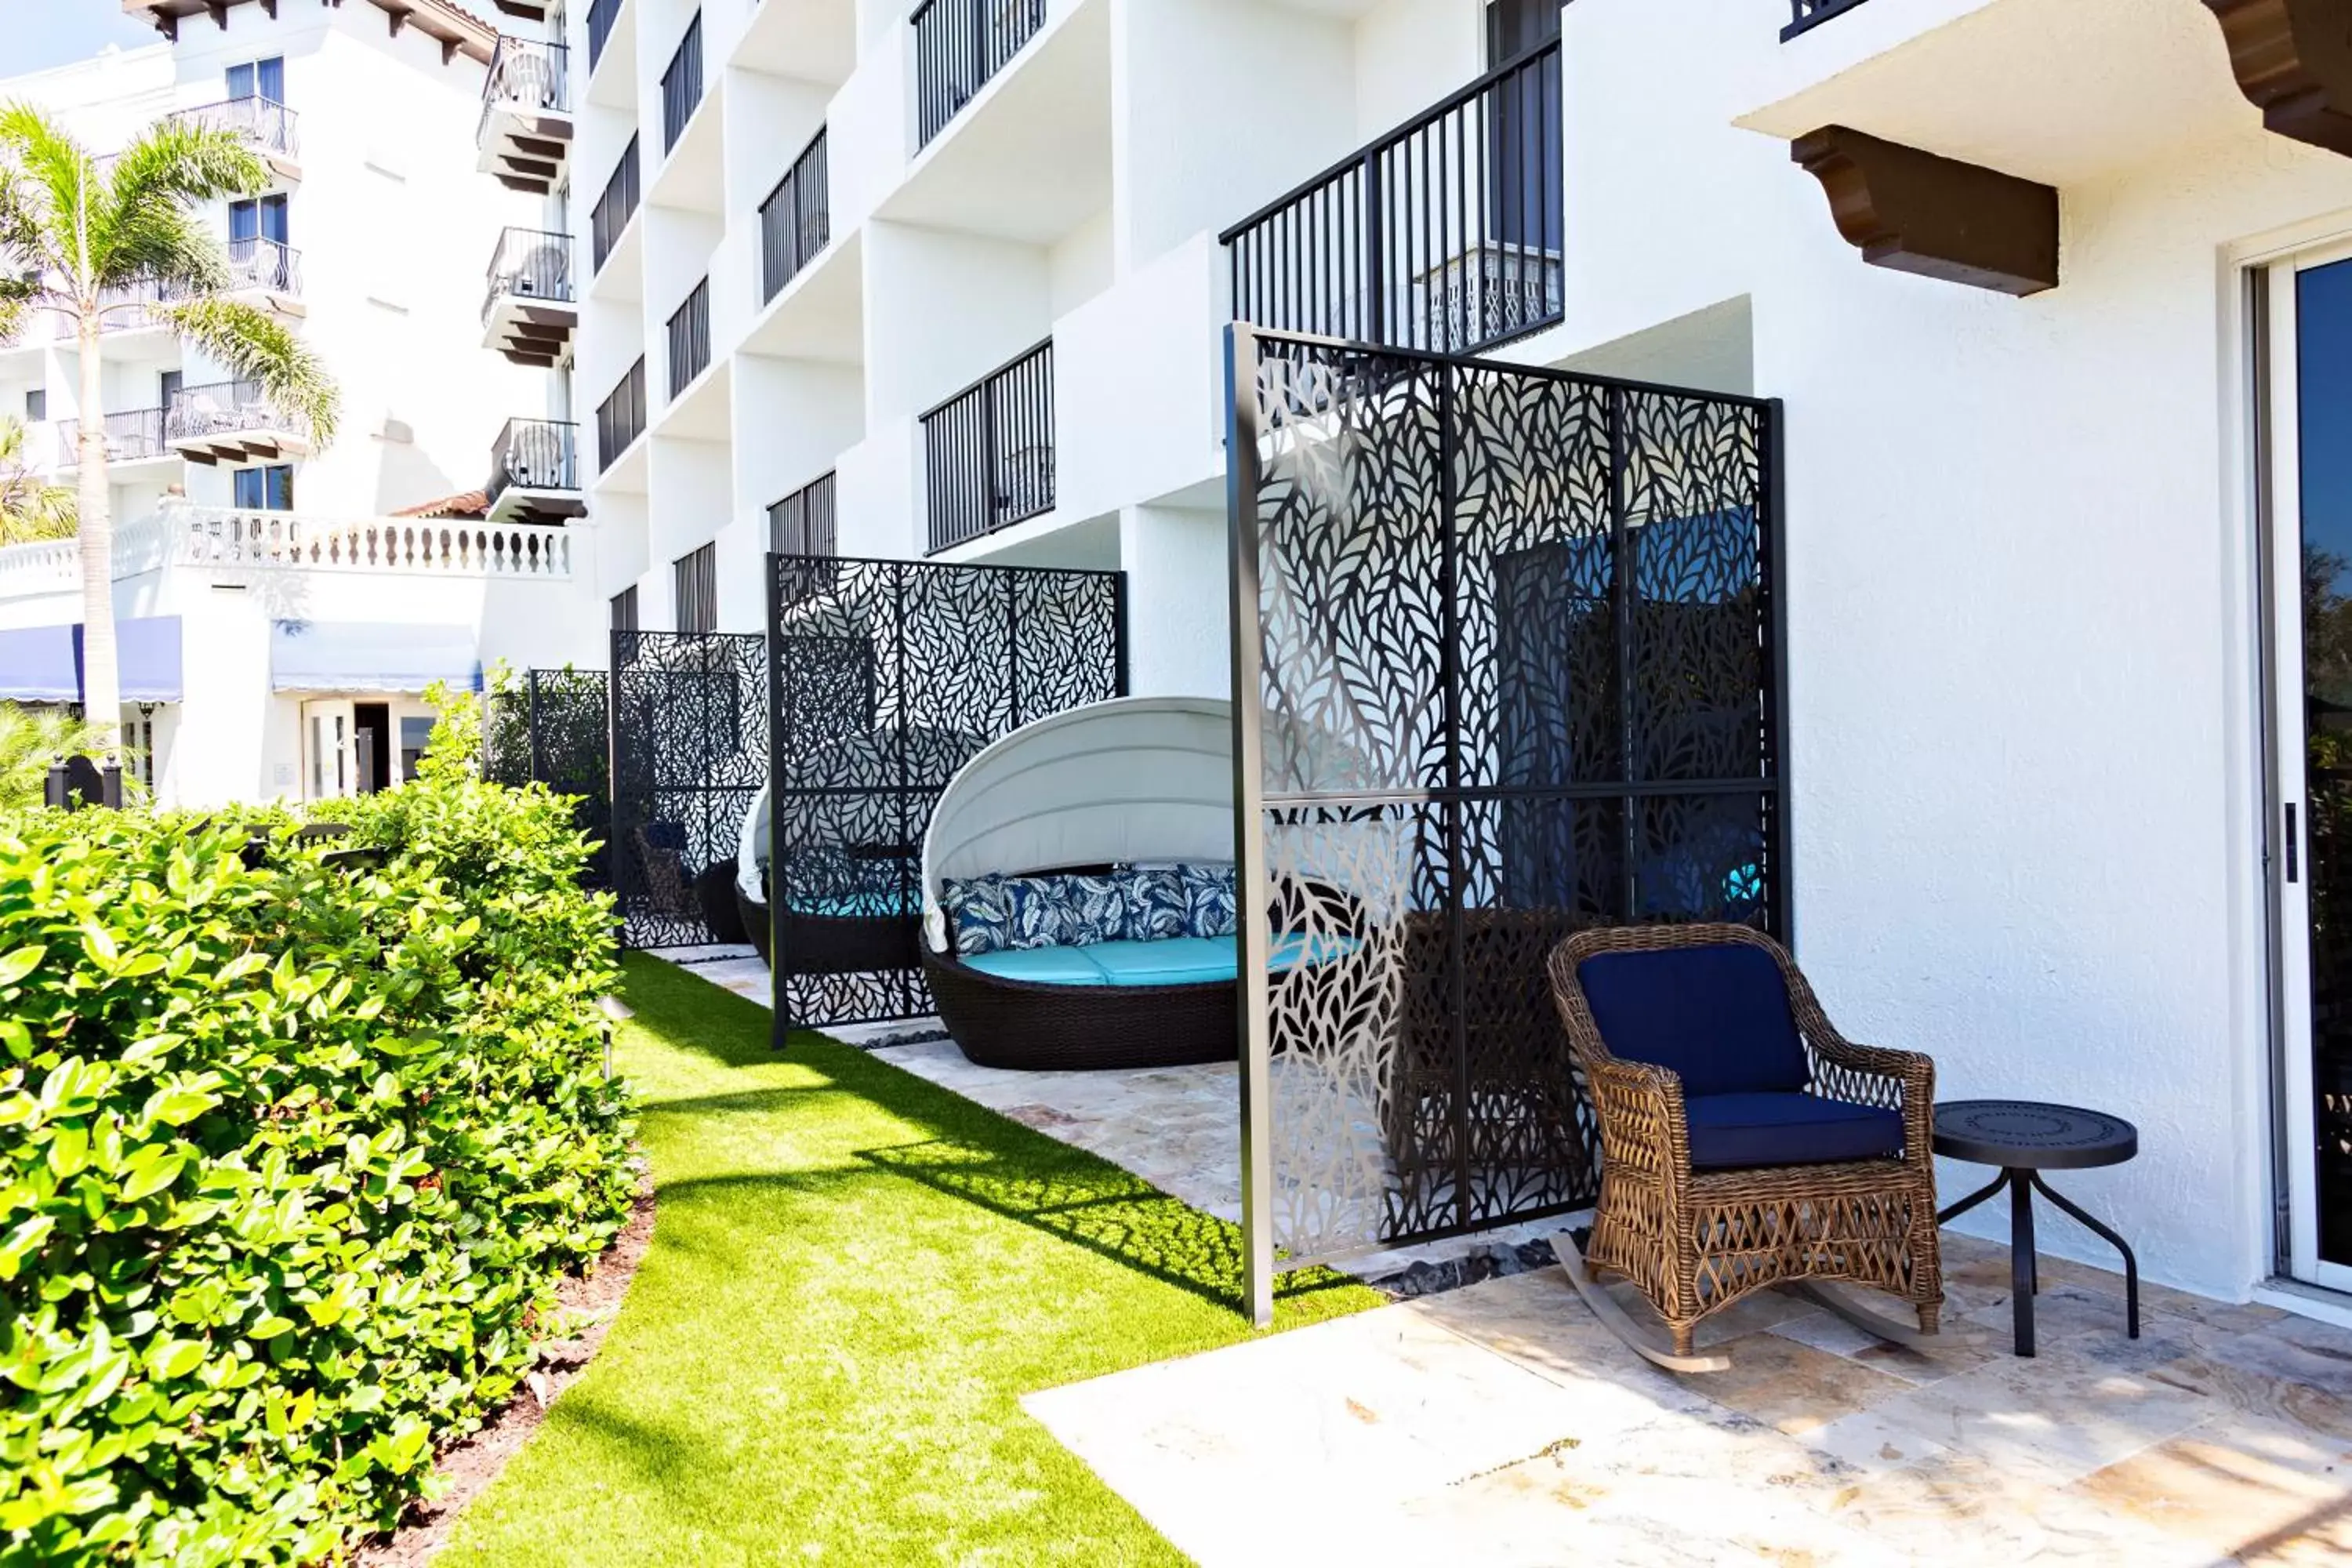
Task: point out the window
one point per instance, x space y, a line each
266 489
264 218
416 734
260 78
36 404
167 387
1515 26
698 590
625 610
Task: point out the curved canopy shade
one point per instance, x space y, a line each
1137 778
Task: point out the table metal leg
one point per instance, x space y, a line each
1973 1199
2020 1259
2131 1264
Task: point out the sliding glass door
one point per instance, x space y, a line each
2307 375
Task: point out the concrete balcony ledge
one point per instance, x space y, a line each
1028 158
2055 91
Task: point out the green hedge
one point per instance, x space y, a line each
291 1161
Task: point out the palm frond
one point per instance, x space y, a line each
30 508
253 345
164 241
32 740
64 172
142 227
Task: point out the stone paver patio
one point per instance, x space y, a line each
1501 1425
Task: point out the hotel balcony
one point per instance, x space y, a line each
1444 235
133 306
524 136
529 310
268 125
133 437
230 421
535 472
988 453
268 272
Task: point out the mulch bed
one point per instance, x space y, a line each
462 1470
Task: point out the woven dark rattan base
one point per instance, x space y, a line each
1002 1023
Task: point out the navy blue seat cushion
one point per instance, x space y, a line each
1737 1130
1717 1017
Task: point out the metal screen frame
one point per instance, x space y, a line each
555 727
689 721
1509 662
886 676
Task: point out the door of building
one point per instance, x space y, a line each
2308 372
331 767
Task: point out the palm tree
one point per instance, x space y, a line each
30 507
79 238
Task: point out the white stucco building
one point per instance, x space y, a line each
280 581
2044 738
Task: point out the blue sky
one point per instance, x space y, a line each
45 33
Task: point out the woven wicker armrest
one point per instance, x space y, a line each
1903 1081
1643 1128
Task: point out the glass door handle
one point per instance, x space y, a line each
2291 868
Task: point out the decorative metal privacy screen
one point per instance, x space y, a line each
889 676
690 755
555 727
1516 672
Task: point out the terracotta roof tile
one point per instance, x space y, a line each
465 503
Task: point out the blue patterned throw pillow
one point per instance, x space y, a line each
1155 902
979 911
1212 907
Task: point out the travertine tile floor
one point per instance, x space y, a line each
1501 1425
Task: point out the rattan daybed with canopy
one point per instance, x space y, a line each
1131 793
851 905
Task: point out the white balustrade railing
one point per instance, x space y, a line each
225 537
215 536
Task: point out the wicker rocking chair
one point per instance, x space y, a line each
1745 1142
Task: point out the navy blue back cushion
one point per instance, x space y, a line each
1716 1016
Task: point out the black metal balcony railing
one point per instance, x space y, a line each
621 417
268 264
1444 235
689 338
601 15
1804 13
124 307
529 264
267 123
681 84
131 434
537 455
959 45
802 522
794 221
615 206
221 408
529 76
988 452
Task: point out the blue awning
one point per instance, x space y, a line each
371 655
43 664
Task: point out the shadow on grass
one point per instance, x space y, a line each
1094 1205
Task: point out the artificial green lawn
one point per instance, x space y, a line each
854 1275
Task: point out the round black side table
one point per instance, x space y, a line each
2025 1138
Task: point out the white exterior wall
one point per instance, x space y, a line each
2023 744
